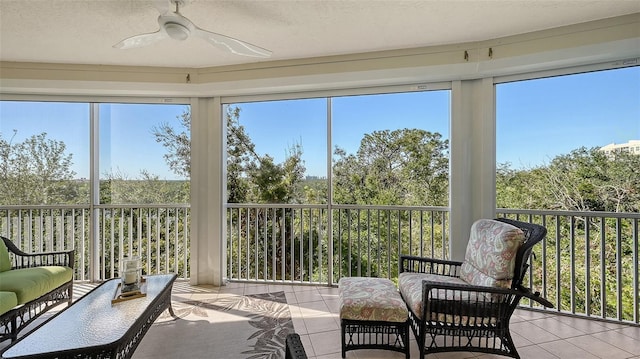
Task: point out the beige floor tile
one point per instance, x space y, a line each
291 297
519 340
280 288
558 328
314 309
598 347
536 352
329 293
584 325
315 306
256 289
294 309
308 296
564 349
615 338
326 342
633 332
304 288
526 315
333 305
227 290
320 324
229 284
532 332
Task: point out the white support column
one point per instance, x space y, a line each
472 164
207 192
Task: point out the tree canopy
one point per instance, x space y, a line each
35 171
582 180
400 167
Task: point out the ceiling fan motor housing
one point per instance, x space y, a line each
176 31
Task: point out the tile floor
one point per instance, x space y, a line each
314 311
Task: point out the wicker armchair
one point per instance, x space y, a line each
23 273
466 306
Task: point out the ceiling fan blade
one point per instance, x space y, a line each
140 40
235 46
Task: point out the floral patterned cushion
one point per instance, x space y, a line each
410 285
376 299
491 252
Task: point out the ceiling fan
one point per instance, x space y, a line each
175 26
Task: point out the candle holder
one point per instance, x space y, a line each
131 274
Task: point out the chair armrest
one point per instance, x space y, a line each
535 296
486 295
429 265
30 260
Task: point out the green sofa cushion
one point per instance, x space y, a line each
31 283
5 261
8 301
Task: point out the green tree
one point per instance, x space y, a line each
400 167
406 167
117 188
36 171
590 181
177 143
582 180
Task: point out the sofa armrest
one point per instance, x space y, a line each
429 265
29 260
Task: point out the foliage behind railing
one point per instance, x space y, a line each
588 263
291 242
158 234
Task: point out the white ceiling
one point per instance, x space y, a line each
83 31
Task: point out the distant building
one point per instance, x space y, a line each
632 147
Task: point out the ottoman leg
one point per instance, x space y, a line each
405 339
344 344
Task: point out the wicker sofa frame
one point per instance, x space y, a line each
477 319
294 348
13 321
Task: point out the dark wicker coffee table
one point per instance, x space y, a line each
94 328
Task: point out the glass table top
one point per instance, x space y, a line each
91 321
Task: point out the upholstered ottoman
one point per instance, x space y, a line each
372 315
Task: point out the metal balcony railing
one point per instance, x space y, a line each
290 243
158 234
588 264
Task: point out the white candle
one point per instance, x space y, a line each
130 277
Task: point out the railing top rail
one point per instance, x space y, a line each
86 206
273 205
594 214
336 206
44 206
155 205
383 207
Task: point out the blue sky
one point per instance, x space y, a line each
539 119
275 126
536 121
